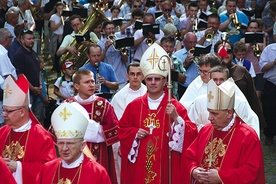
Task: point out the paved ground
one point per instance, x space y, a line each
268 151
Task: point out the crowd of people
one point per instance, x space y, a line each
147 91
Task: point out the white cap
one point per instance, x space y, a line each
151 62
16 93
70 120
221 97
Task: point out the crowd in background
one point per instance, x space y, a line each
36 30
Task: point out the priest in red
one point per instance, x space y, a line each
6 175
227 150
151 129
69 122
25 145
102 133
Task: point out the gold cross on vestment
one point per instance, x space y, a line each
153 58
65 113
210 96
7 91
210 160
151 126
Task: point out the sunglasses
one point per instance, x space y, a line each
25 31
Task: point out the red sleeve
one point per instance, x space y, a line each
40 150
6 175
126 130
250 162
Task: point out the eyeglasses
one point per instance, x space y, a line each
203 72
167 10
10 36
135 74
67 144
156 79
10 111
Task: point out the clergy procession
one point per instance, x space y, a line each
137 91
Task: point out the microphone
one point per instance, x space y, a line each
97 77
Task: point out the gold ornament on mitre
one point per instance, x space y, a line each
155 61
70 120
16 93
221 97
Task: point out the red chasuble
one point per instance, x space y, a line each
90 172
35 147
236 154
152 162
101 111
6 175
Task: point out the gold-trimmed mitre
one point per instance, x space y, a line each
70 120
16 93
155 61
221 97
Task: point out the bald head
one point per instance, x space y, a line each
189 40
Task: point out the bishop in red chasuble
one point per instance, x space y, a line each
69 122
151 129
24 145
227 150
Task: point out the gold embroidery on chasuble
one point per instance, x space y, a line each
216 149
13 151
150 159
150 121
214 152
13 148
67 181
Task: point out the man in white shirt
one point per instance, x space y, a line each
6 67
199 85
11 19
76 24
25 15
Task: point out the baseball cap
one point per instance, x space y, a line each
67 64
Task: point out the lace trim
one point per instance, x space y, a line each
134 150
176 143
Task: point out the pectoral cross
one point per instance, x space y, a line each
210 160
151 126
